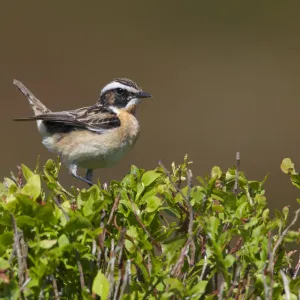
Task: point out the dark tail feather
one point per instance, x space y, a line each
37 106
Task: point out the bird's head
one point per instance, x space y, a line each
122 93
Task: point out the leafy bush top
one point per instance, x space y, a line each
154 235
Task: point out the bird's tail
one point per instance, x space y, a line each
37 106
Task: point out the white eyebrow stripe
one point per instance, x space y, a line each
115 85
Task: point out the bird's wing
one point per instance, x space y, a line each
95 118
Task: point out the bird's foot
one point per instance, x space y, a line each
87 179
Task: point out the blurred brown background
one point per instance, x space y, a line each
225 78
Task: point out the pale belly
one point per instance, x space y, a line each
91 150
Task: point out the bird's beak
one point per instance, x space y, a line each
143 95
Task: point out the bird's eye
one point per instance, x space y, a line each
119 91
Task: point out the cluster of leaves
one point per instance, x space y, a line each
155 235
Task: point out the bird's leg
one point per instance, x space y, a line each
89 175
73 172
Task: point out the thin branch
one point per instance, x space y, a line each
25 284
235 281
236 182
55 289
92 264
102 235
178 190
111 268
56 199
222 287
280 239
127 278
204 268
113 210
144 227
266 287
79 265
120 262
273 253
286 286
296 269
20 176
177 268
237 246
18 251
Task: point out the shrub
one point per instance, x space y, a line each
154 235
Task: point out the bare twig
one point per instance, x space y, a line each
236 182
178 190
25 284
120 262
296 269
234 282
237 246
55 289
127 278
20 176
273 253
113 210
102 235
81 275
220 295
280 239
177 267
92 264
110 269
204 268
286 286
18 251
56 199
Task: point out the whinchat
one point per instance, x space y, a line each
91 137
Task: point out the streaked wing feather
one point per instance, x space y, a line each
95 118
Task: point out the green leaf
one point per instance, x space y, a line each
149 177
212 224
132 232
174 284
295 179
153 203
287 166
47 244
25 221
101 286
33 187
229 260
63 240
253 221
76 223
295 285
216 172
6 239
198 289
4 264
129 246
27 173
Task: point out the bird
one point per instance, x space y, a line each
92 137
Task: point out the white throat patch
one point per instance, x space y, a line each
132 102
